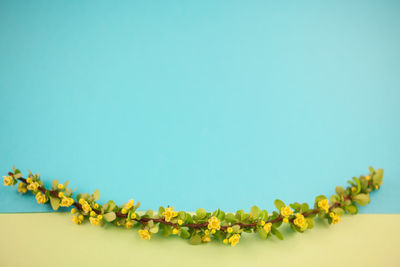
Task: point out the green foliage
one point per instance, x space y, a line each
54 202
279 204
194 227
361 199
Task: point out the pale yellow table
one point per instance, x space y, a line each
51 239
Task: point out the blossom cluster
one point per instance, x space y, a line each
201 226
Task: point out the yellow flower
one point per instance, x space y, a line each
229 229
92 213
226 241
77 219
335 218
29 180
169 213
81 201
376 187
353 189
144 234
300 221
286 211
129 204
94 221
207 232
175 231
124 211
86 207
33 186
41 198
71 201
60 186
213 231
80 217
8 180
367 177
234 239
128 224
100 217
133 216
206 238
285 220
324 205
96 206
180 222
267 227
22 188
213 223
262 223
66 202
60 194
73 211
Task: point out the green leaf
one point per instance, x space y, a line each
255 212
319 198
310 223
149 213
276 232
244 216
264 215
54 183
96 194
230 218
361 199
110 216
352 209
195 239
340 190
279 204
236 228
296 206
201 213
154 229
55 202
304 207
262 233
378 176
338 211
184 233
358 183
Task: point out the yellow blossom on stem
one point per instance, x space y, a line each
226 241
66 202
169 213
129 204
133 216
128 224
180 222
96 206
262 222
285 220
8 180
234 239
124 211
81 201
77 219
286 211
22 188
92 213
229 229
324 205
60 186
73 211
145 234
267 227
60 194
94 221
354 189
41 198
367 177
214 223
206 238
33 186
335 218
300 221
175 231
29 180
85 206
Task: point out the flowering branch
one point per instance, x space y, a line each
202 226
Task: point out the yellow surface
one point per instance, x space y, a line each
51 239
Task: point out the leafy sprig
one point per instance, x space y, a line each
202 226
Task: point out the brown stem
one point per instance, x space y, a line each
143 220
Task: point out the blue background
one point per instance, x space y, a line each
213 104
